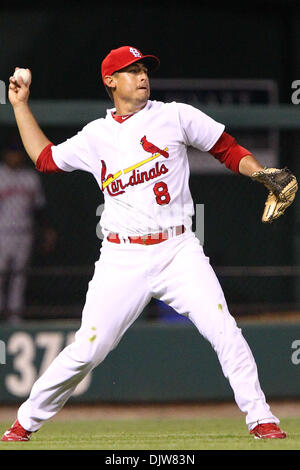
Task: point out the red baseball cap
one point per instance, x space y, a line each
119 58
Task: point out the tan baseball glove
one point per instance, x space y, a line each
282 186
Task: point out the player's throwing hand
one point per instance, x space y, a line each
18 91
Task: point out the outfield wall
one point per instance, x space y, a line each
157 363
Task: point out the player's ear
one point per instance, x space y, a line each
109 85
110 81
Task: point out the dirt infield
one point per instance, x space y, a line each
282 409
270 317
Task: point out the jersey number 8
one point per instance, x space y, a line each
161 192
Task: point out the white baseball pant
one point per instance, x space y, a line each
126 277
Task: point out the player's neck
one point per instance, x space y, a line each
125 108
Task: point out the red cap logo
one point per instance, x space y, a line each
119 58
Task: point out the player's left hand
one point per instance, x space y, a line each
282 186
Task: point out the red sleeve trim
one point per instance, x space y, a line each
229 152
45 162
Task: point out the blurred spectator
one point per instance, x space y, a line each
22 218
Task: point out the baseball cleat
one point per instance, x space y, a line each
268 431
16 433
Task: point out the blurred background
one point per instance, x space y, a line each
237 63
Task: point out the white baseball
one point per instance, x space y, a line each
25 74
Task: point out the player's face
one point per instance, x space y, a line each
132 83
14 158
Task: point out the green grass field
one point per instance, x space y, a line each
153 434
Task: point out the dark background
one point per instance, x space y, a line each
64 45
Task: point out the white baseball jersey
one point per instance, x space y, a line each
20 194
141 164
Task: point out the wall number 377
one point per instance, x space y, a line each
31 355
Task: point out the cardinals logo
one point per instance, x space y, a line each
151 148
114 183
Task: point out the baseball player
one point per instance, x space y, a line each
138 156
21 199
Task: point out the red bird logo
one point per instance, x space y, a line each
151 148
